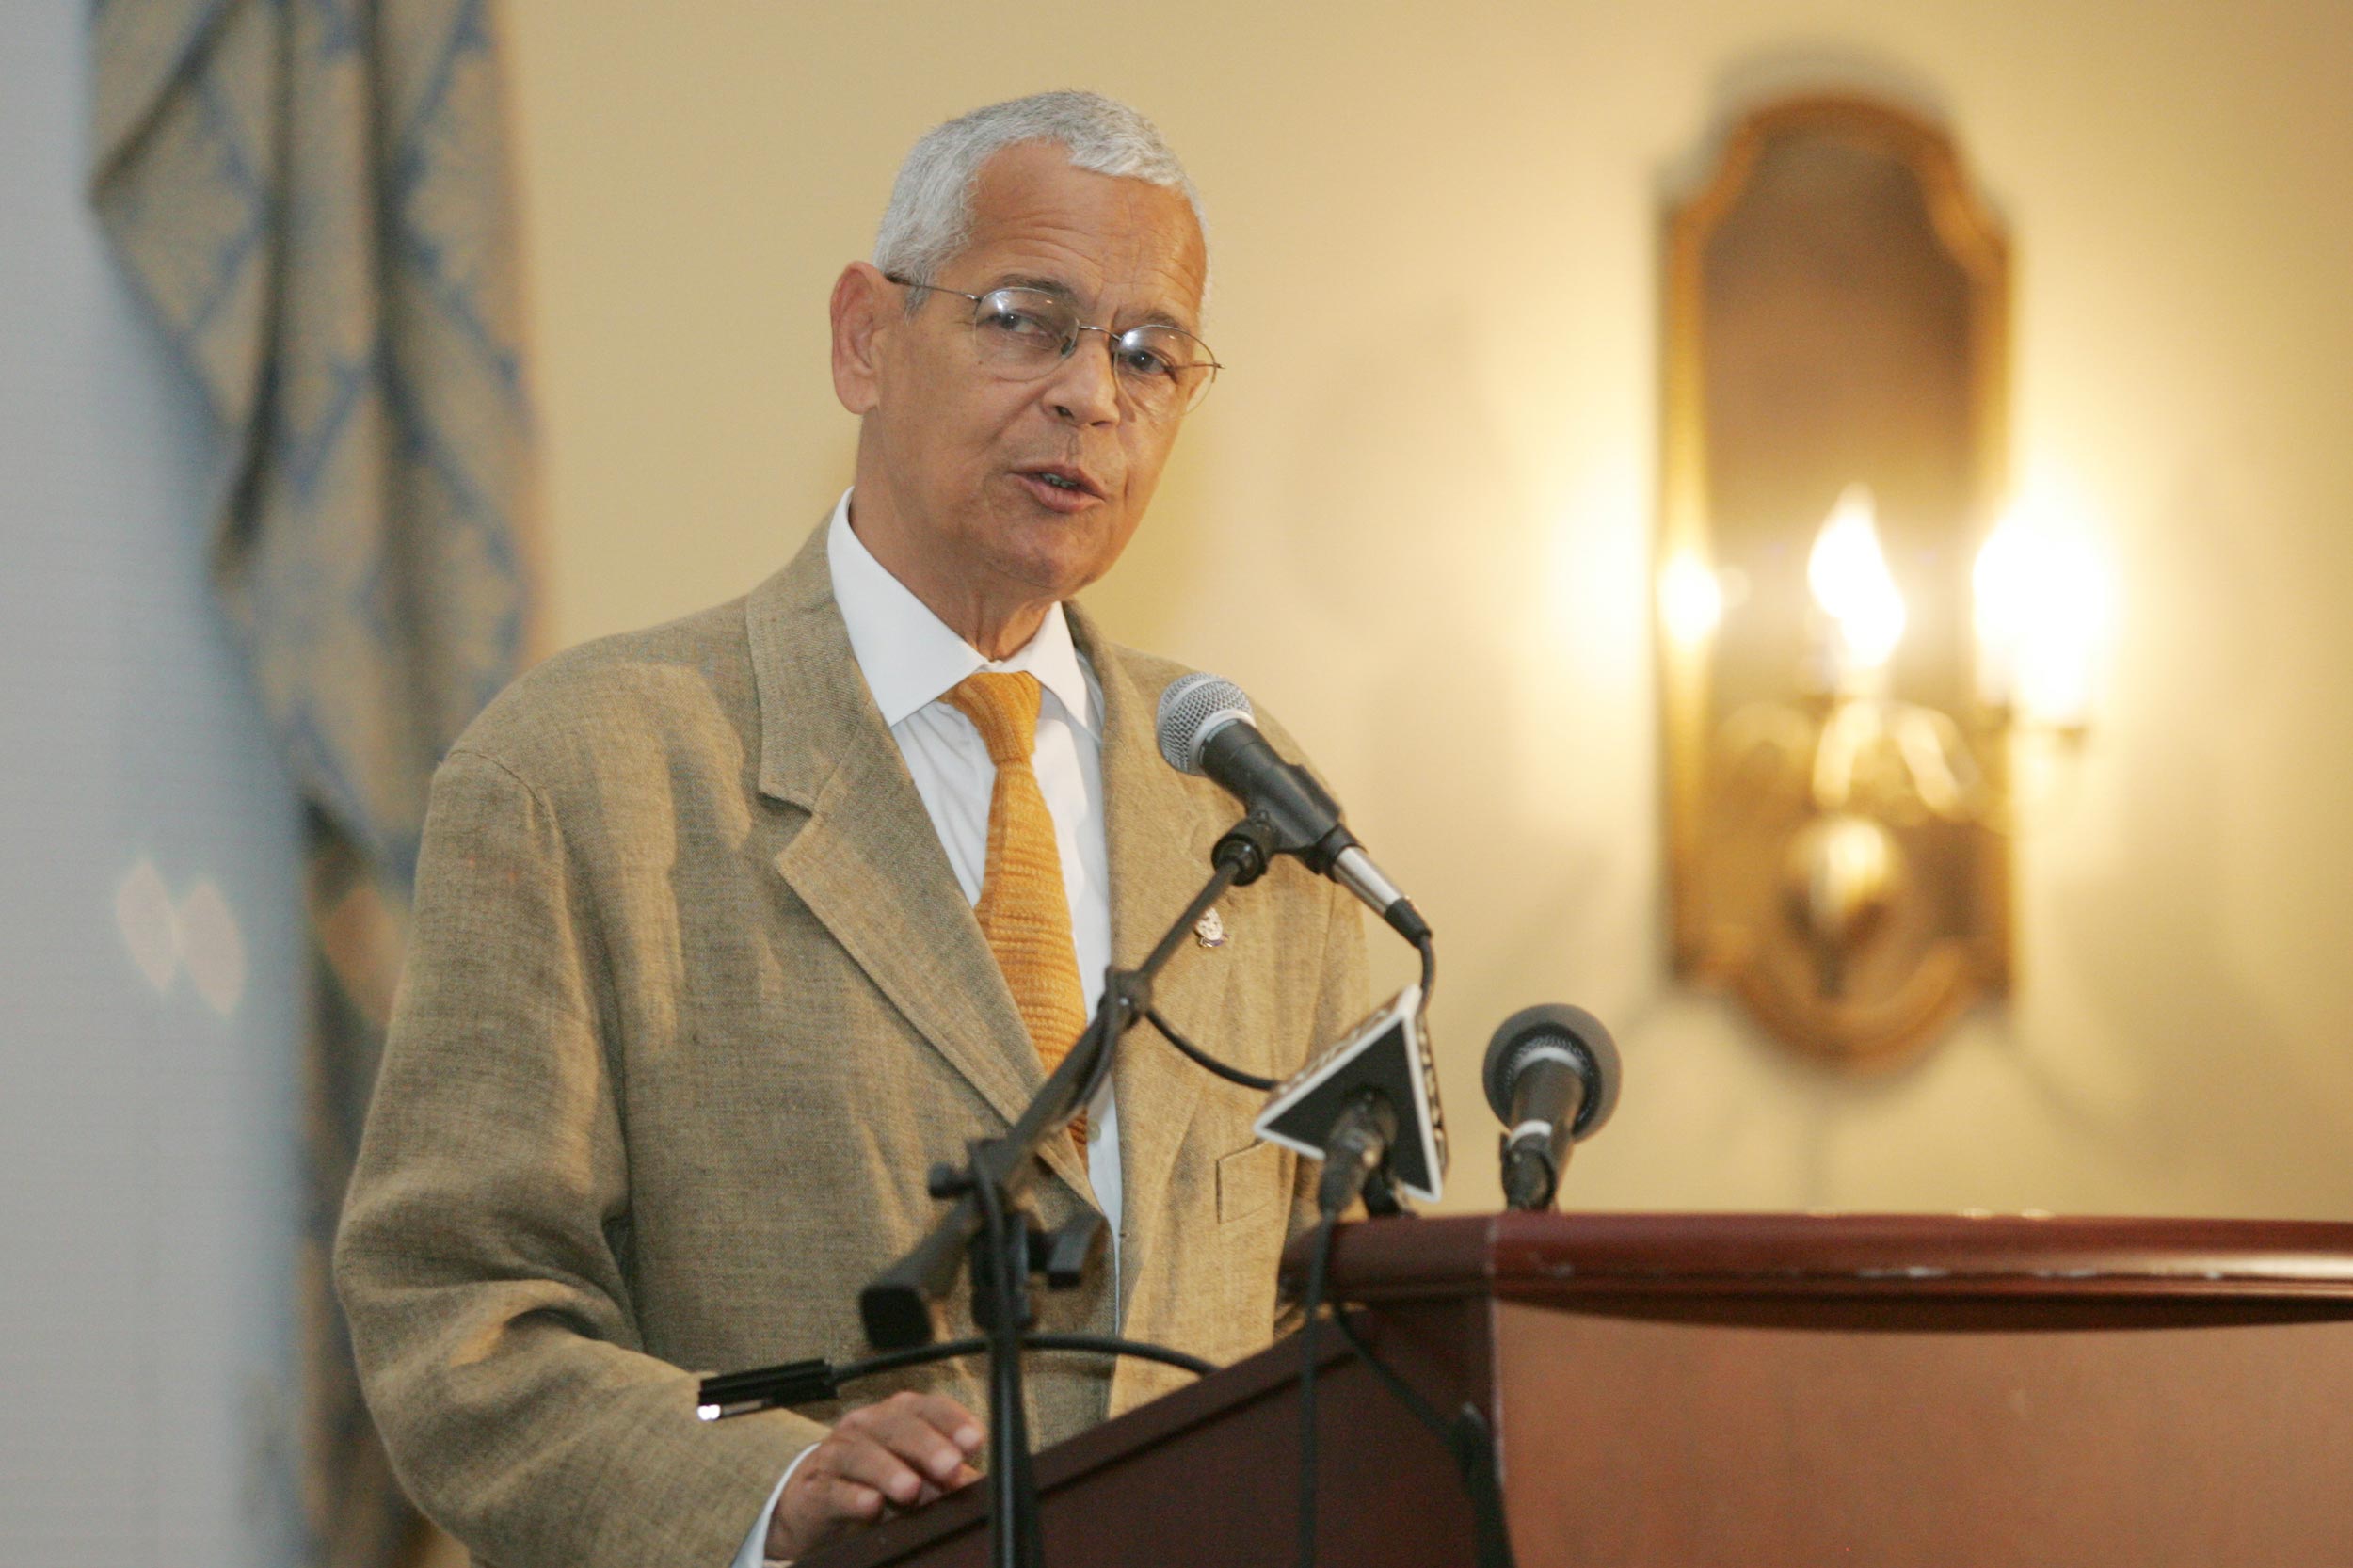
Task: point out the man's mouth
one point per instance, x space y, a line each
1064 476
1063 487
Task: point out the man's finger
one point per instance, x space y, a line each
850 1500
933 1492
959 1425
921 1432
817 1507
864 1457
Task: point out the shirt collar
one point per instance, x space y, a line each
911 658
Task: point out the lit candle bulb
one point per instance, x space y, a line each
1862 610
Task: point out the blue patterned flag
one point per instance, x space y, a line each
313 197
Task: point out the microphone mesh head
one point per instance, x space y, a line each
1572 1029
1192 709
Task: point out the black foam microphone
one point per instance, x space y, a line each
1552 1077
1207 728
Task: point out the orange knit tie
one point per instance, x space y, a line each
1024 909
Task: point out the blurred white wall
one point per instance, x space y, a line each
150 940
1415 517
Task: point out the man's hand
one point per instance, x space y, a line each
900 1453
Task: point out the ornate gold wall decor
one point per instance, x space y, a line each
1836 334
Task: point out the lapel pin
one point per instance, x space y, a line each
1210 929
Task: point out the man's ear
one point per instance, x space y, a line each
865 310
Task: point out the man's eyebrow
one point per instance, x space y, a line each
1054 286
1163 318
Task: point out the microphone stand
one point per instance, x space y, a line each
988 1232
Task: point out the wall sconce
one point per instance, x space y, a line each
1847 646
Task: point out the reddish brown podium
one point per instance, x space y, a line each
1756 1390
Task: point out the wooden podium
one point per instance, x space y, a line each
1756 1390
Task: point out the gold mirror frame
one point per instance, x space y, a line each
1836 312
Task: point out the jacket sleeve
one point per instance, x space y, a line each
489 1310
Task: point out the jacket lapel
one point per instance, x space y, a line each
866 862
1158 840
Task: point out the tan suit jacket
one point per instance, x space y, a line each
693 1002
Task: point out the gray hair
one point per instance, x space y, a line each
929 221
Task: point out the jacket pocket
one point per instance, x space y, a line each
1249 1182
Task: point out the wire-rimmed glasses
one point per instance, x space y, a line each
1023 334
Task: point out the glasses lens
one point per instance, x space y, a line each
1023 332
1165 370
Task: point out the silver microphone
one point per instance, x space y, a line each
1208 728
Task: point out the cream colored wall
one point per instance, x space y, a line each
1414 518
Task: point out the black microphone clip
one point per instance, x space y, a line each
1353 1153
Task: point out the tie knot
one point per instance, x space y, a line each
1002 706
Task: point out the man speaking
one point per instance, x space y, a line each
727 931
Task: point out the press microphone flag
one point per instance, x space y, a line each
1388 1055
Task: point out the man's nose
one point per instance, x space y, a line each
1084 389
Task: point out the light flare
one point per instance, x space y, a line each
1690 599
2042 611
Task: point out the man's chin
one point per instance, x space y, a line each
1055 562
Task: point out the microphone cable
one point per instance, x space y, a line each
1203 1059
1468 1442
1467 1439
1319 1267
1318 1273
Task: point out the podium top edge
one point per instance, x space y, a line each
1552 1256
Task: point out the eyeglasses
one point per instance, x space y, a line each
1023 334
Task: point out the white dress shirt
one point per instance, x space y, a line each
911 660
